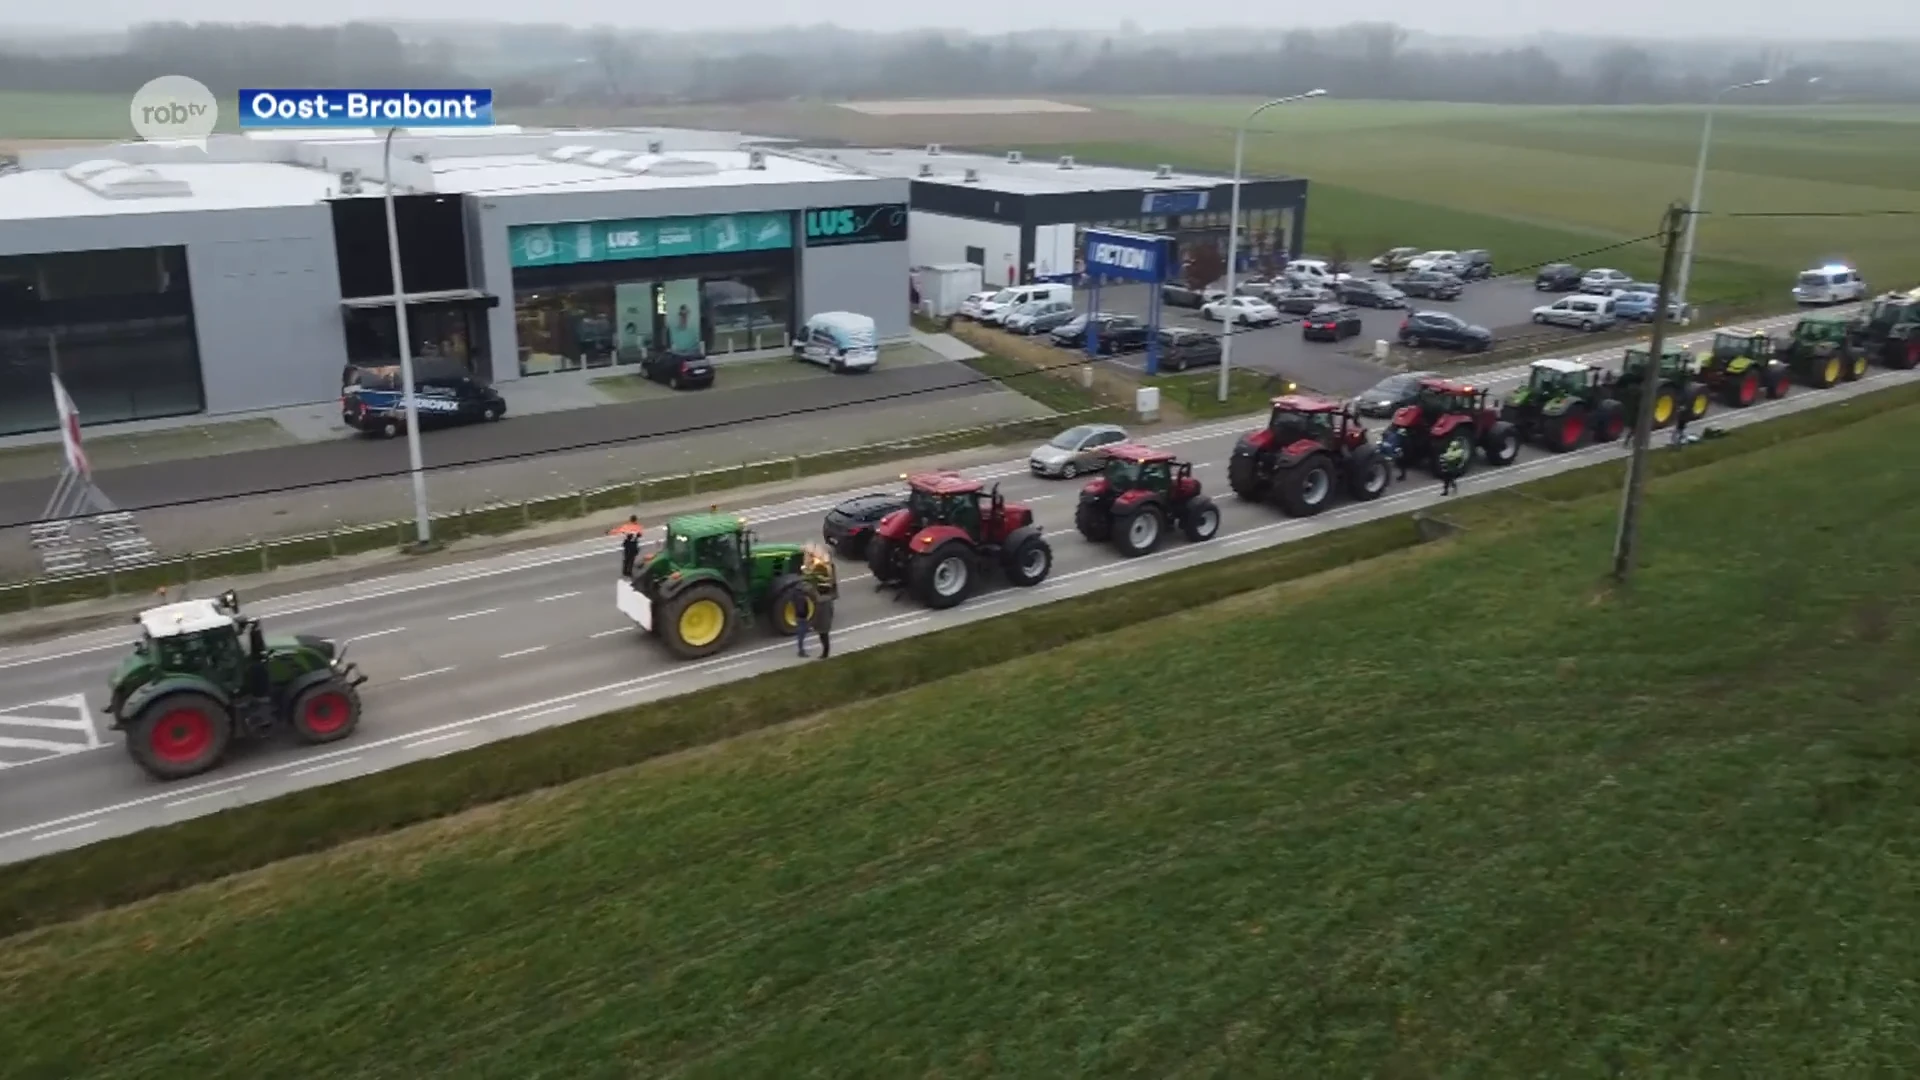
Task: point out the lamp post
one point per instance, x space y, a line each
1233 228
1699 182
422 521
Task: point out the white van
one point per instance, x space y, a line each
1833 284
996 308
839 341
1313 273
1584 311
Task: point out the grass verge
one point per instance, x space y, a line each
117 871
1197 393
1486 817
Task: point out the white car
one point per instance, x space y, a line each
1426 260
1582 311
970 307
1313 272
1604 281
1832 284
1243 311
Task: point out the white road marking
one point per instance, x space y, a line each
558 596
375 634
37 744
425 674
431 739
472 614
325 765
610 633
913 622
735 666
523 652
65 831
235 790
545 712
1116 571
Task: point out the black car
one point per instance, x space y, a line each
445 392
1181 349
849 526
1302 299
1476 263
1437 328
1112 334
1431 285
679 372
1557 277
1373 294
1174 294
1330 322
1391 394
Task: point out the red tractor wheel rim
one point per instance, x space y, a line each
1913 352
1572 427
1749 388
326 713
182 735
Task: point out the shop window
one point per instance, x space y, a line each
687 307
447 330
977 256
748 311
132 369
565 329
72 275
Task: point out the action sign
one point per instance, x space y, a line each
357 108
1125 256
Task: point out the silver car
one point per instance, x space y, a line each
1076 450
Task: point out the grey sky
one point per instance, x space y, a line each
1862 19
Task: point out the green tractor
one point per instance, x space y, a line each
709 577
1564 404
202 674
1890 330
1742 366
1820 351
1672 385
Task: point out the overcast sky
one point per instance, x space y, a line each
1769 18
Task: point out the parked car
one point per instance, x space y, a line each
1257 287
996 307
1076 450
849 526
1431 285
1039 317
1438 328
1476 264
678 372
1113 333
970 307
1393 260
1181 349
1426 259
444 393
1330 322
1638 305
1584 312
839 341
1072 334
1302 299
1603 281
1177 295
1374 294
1313 272
1557 277
1390 394
1243 311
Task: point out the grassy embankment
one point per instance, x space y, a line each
1460 810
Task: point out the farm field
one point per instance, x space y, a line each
1456 812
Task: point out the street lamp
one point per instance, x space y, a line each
1699 181
1233 228
422 522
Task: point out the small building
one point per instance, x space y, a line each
1021 218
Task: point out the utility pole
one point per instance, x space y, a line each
1626 541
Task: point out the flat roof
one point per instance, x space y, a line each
1565 367
512 173
184 617
226 185
1031 176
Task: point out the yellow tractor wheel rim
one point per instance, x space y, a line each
701 623
1859 365
1663 408
791 614
1833 370
1700 404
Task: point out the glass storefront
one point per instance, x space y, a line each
1264 235
117 325
455 329
608 294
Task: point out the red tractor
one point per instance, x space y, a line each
1140 493
1446 424
950 531
1310 448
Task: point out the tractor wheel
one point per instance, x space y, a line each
1827 370
1200 519
697 622
180 735
1094 522
1307 488
941 577
883 561
788 606
1440 452
1568 431
1745 391
1610 421
1698 404
1903 356
1367 474
1139 532
1501 445
1666 403
1030 563
1244 480
327 712
1778 385
1856 365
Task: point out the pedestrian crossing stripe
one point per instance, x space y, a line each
63 725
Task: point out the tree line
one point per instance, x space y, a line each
557 65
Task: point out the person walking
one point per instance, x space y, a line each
1680 425
818 618
630 547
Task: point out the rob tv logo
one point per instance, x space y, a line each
174 108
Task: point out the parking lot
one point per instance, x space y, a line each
1503 306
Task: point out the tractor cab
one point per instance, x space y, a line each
1132 467
1442 397
1890 330
1297 417
1821 331
1891 310
1675 364
1551 378
1140 494
950 498
717 544
1735 343
951 528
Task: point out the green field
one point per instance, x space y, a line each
1459 812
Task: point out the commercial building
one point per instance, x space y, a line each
1021 218
162 280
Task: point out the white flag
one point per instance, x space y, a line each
70 430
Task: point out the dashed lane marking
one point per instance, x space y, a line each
523 652
472 614
324 766
425 674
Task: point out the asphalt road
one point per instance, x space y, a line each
139 487
487 650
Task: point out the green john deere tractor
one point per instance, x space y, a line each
1889 332
1820 351
1564 404
709 577
1742 366
1671 383
202 674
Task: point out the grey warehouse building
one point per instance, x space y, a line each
161 280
